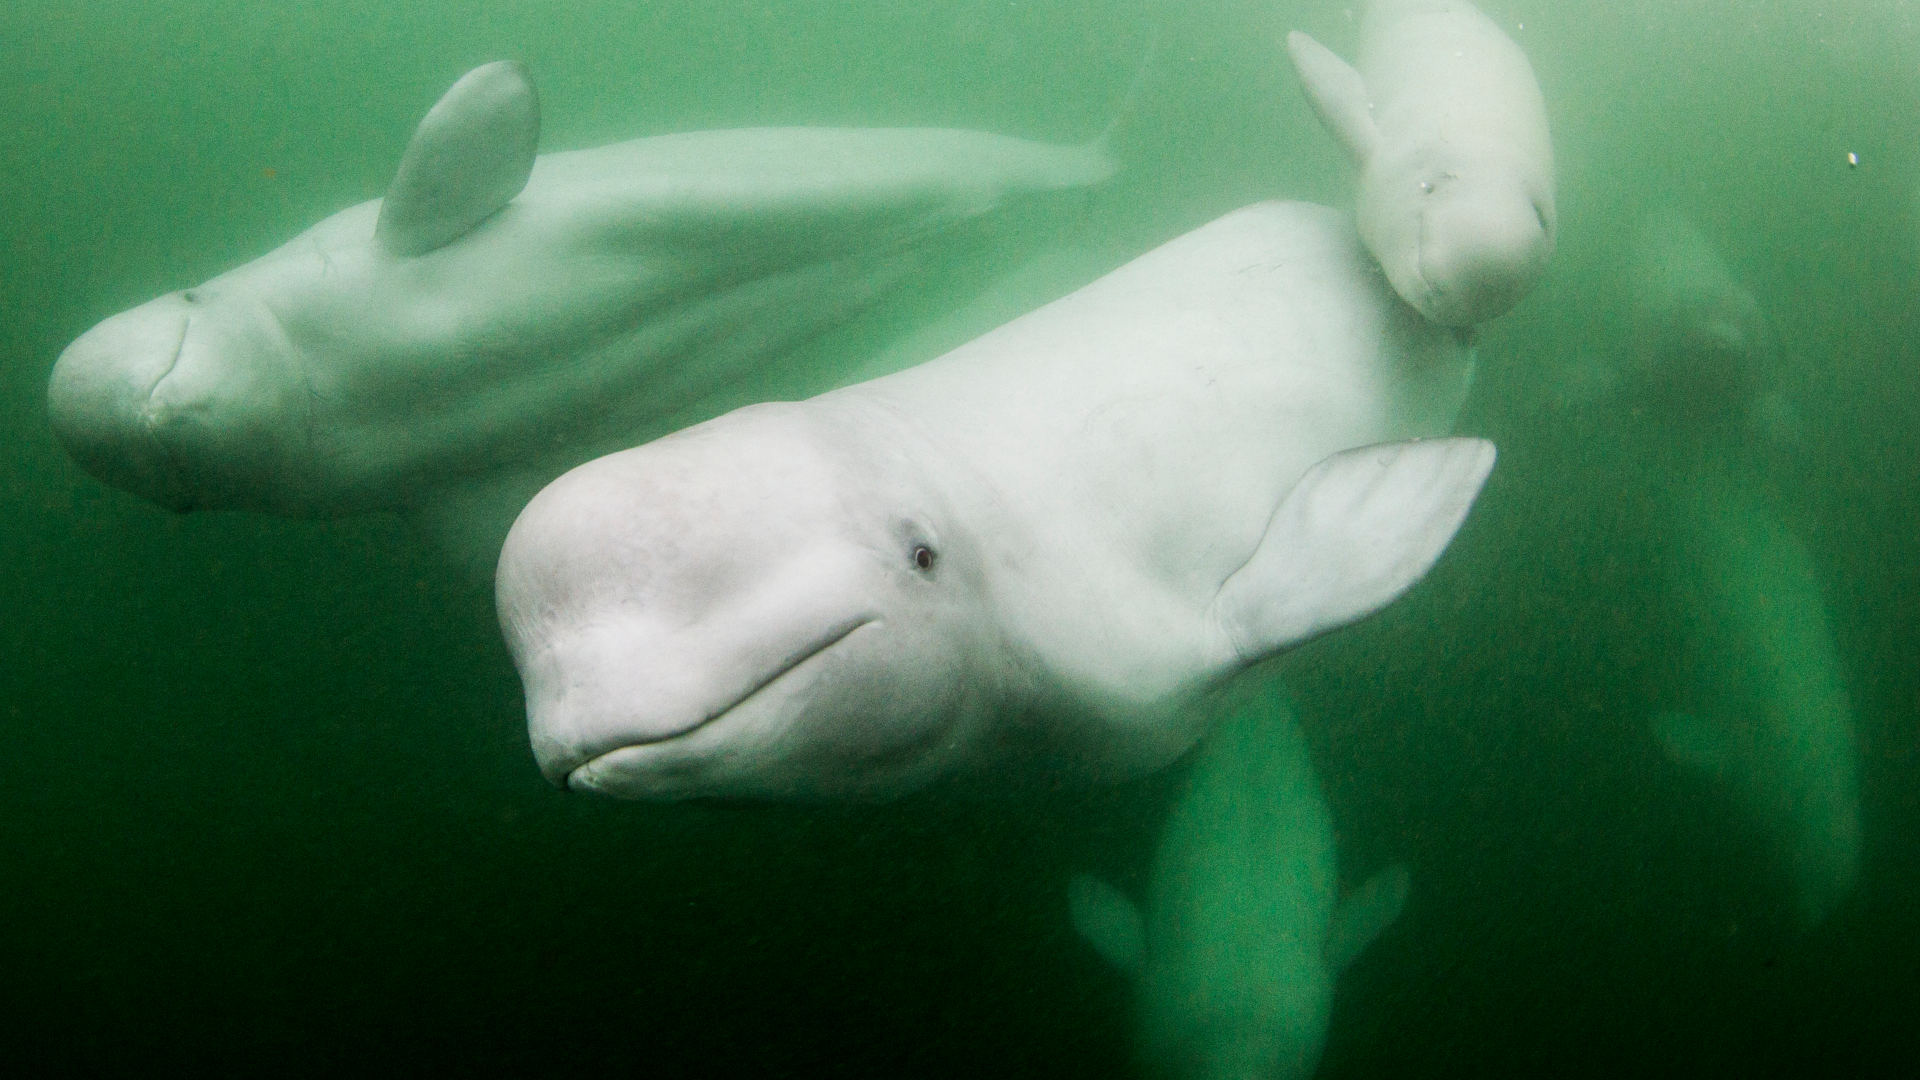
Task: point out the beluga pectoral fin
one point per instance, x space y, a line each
1338 95
1109 922
471 154
1365 913
1358 530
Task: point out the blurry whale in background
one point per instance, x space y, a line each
1769 716
1704 361
498 318
1013 563
1443 118
1773 723
1235 955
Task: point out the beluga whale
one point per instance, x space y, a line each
1243 931
1015 563
500 316
1762 710
1442 116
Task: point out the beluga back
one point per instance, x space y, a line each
1015 563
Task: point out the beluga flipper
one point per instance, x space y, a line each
471 155
1443 118
500 317
1019 561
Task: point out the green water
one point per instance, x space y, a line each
266 801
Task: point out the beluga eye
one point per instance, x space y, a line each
923 557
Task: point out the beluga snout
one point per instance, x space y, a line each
100 401
184 403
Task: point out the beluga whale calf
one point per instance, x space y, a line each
1235 951
1015 563
500 316
1441 114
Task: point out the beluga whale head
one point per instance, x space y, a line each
231 394
1443 118
191 400
754 607
1461 237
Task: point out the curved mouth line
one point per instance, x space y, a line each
833 636
186 324
149 416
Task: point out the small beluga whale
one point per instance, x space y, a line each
1441 114
1013 563
1235 951
499 317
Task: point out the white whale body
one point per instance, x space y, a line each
1235 952
1016 560
499 317
1442 116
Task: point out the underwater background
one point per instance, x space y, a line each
266 800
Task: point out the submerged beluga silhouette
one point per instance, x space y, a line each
499 317
1765 711
1020 560
1242 932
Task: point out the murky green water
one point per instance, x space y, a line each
266 800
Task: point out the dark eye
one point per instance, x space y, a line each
923 557
190 296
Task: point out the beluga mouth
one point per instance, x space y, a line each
584 776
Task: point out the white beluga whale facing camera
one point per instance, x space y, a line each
1444 119
1242 934
1021 558
500 317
